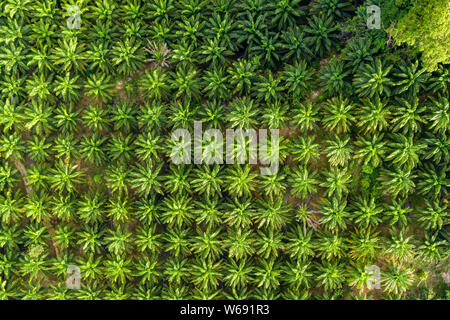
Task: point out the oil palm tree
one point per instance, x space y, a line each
321 33
304 182
338 114
371 150
65 177
373 78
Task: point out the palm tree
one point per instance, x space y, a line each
8 176
39 87
243 113
269 243
367 212
120 148
374 115
268 88
439 81
206 274
333 77
119 209
152 116
148 269
331 275
241 181
321 34
295 45
335 214
145 179
397 279
92 149
360 276
11 115
91 238
184 54
398 212
208 244
178 180
37 177
365 245
304 182
242 75
397 182
239 213
223 28
434 216
100 86
250 28
147 240
399 247
123 115
285 13
213 114
68 55
267 274
208 180
410 79
338 115
359 51
305 150
11 207
215 81
373 78
272 214
155 84
267 48
209 211
239 243
91 208
408 117
39 149
148 210
336 181
439 115
404 152
38 117
433 181
273 185
117 179
176 271
338 151
371 151
66 119
178 210
187 83
37 207
64 237
118 242
238 273
437 148
159 52
191 30
177 241
297 79
65 176
430 249
66 147
128 56
118 269
275 116
338 9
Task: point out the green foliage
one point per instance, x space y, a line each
86 170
